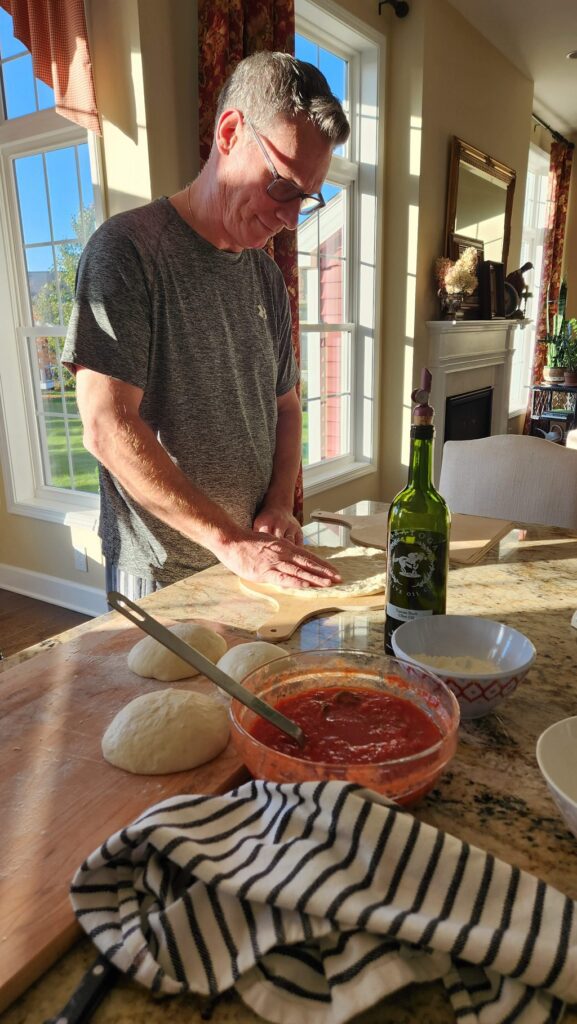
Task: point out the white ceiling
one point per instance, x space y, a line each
535 35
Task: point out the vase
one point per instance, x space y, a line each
553 374
452 305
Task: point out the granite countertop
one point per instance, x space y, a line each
492 795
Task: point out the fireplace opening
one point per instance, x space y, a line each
468 416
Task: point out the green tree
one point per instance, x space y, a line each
46 307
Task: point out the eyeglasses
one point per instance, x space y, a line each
283 190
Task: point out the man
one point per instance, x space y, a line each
180 338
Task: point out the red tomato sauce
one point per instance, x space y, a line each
352 726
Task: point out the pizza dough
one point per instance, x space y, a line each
242 659
166 731
150 659
362 571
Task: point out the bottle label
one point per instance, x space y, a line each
416 573
404 614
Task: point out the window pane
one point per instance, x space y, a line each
322 263
326 395
335 71
63 191
42 284
85 178
305 49
67 257
66 462
23 94
45 95
52 268
9 45
308 288
19 86
334 68
32 199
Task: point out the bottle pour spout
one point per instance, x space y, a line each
423 413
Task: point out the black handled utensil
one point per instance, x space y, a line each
95 984
174 643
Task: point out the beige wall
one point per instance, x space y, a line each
442 79
445 72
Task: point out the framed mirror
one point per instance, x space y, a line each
479 201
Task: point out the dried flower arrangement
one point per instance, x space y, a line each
458 276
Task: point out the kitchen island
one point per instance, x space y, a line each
492 794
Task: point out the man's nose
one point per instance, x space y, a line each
288 213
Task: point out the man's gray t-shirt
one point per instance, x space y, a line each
206 334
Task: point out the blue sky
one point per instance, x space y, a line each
55 173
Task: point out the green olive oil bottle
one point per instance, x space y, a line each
418 530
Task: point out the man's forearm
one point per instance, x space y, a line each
130 451
287 457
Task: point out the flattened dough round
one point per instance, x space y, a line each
362 571
242 659
150 659
166 731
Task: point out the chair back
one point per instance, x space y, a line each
511 476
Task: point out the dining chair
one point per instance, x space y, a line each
511 476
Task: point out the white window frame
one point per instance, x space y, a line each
525 336
20 444
328 25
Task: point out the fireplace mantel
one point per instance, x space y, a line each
464 355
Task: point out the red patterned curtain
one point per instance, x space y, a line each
54 31
559 182
229 30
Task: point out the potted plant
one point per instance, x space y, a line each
553 371
569 352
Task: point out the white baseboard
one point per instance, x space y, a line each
76 596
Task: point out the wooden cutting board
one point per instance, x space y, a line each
59 799
290 612
471 536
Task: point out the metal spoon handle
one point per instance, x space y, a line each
192 657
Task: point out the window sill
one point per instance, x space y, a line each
353 471
54 511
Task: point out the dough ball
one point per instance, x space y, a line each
242 659
166 731
150 659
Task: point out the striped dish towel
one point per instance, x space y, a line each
316 900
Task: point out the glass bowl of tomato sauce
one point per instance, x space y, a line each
368 718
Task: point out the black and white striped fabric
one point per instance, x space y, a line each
315 900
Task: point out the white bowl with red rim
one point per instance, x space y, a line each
557 760
460 639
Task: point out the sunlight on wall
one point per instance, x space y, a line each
415 135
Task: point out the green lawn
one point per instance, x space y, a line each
84 465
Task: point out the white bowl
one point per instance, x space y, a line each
459 636
557 759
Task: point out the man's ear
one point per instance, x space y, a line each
227 133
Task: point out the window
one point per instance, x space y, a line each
336 256
534 227
47 212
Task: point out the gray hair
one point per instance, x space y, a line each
269 84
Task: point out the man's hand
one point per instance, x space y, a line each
268 559
278 522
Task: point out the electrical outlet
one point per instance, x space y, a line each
80 559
